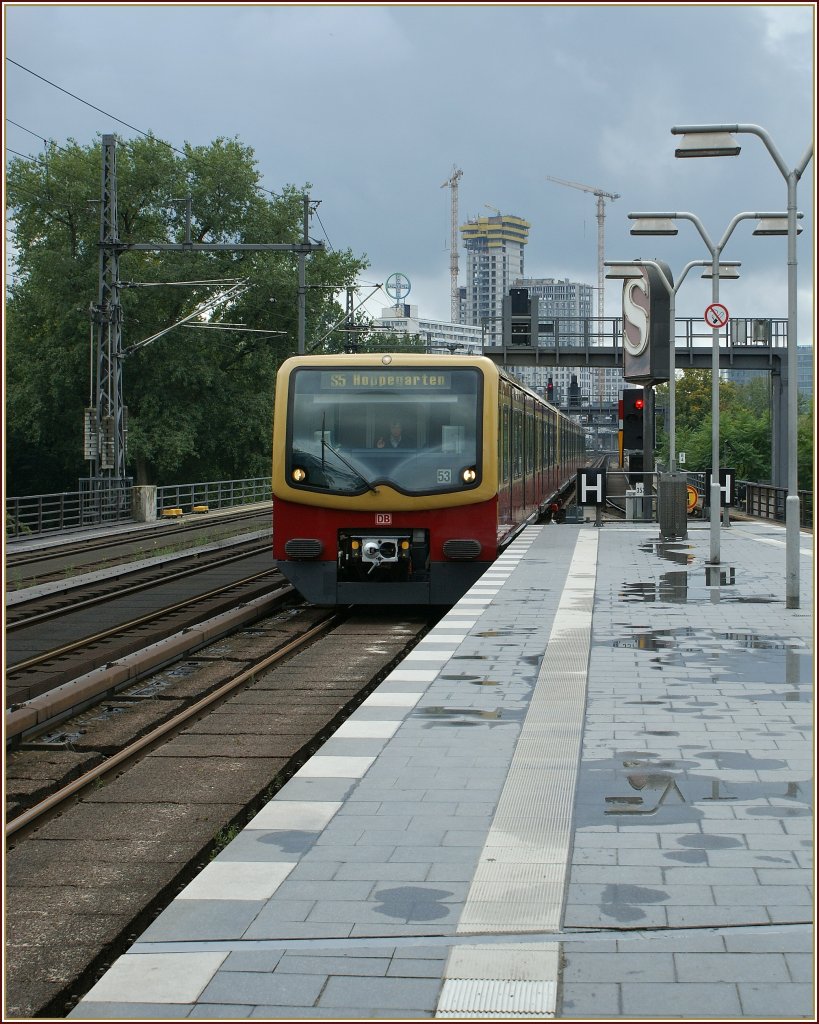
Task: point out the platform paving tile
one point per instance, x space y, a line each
221 1011
397 993
720 774
204 919
113 1010
699 967
355 966
253 988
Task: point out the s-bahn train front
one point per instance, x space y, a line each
385 477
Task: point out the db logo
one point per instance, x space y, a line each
383 519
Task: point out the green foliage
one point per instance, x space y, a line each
745 425
199 401
804 447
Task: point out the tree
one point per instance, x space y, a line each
199 400
745 427
804 447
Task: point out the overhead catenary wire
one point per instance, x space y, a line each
119 120
140 131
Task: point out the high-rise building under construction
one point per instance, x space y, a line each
494 259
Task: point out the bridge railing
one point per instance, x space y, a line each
575 334
39 514
214 494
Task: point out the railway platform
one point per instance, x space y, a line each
585 794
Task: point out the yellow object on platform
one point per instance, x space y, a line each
171 512
200 508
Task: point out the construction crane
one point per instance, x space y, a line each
601 233
452 184
601 253
489 206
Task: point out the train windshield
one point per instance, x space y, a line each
415 428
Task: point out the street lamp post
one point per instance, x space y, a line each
663 224
625 269
718 140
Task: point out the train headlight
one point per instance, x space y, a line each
299 475
469 475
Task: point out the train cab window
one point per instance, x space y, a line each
414 428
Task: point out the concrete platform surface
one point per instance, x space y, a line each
586 793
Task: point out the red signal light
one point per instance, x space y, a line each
639 403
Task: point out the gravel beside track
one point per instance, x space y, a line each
84 884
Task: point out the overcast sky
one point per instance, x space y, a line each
375 104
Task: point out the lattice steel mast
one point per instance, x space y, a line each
452 184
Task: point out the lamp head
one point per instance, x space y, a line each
727 272
622 271
653 226
775 226
707 144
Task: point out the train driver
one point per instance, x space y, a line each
395 438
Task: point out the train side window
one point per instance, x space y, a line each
517 443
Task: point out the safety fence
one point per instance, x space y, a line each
75 510
91 507
214 494
638 497
70 510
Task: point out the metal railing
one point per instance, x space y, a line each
75 510
214 494
768 502
69 510
637 496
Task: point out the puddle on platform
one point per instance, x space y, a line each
468 717
413 903
623 902
441 712
628 790
687 588
680 553
289 840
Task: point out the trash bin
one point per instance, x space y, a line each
672 507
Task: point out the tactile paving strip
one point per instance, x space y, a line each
520 880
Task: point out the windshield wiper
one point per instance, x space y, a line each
347 463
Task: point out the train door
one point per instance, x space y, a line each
504 456
529 494
517 455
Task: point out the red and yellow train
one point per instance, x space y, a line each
398 478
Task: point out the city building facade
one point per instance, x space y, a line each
494 259
439 335
566 309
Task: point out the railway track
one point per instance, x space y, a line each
151 796
26 567
58 638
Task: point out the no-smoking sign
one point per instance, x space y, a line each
716 315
